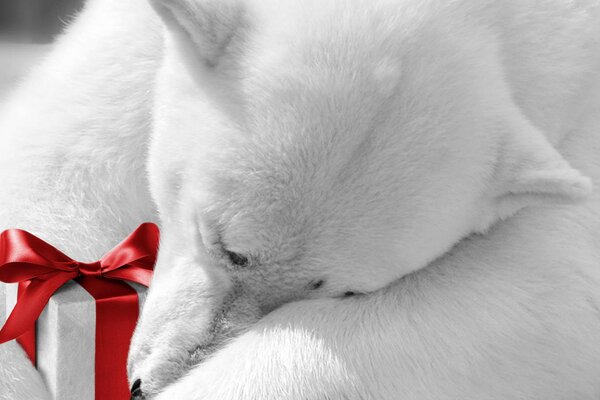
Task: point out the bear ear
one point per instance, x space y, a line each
207 25
532 171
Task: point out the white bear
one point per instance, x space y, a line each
304 152
309 207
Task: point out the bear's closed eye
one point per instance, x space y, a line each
237 259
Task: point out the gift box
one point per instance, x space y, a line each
79 342
65 342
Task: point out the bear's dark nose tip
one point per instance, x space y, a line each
136 390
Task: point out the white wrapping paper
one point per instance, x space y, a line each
2 302
65 337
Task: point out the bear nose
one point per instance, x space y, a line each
136 390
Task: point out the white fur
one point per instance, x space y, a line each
355 148
475 110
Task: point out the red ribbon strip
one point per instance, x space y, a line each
40 270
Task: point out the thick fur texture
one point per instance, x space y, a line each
434 158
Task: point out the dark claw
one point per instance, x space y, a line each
136 390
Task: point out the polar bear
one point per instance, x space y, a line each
473 264
307 152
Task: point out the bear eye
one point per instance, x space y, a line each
237 259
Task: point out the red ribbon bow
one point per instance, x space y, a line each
40 270
26 258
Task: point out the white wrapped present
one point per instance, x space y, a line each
66 340
75 319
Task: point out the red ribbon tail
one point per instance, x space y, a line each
30 304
